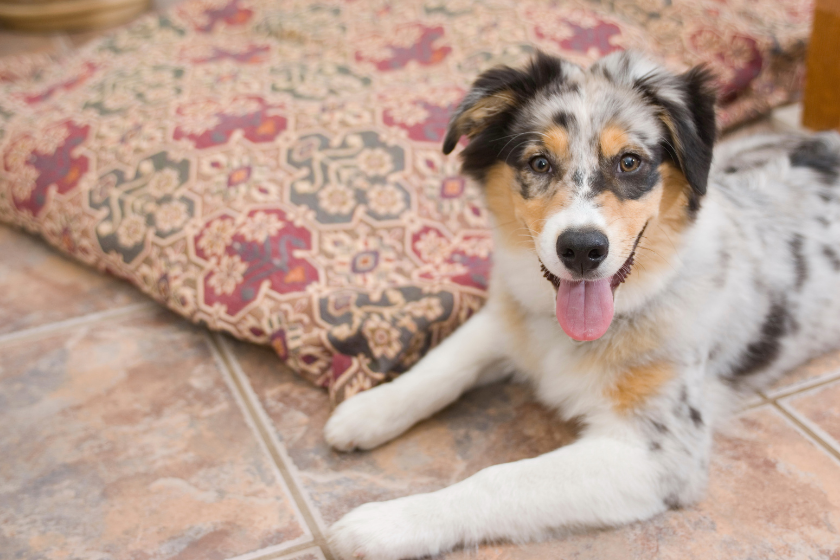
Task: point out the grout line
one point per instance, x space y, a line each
242 403
753 405
265 554
805 386
758 399
274 448
802 424
50 328
283 554
307 539
273 437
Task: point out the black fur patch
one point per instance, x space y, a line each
832 257
817 155
577 178
564 119
696 417
659 427
671 501
625 186
764 351
799 262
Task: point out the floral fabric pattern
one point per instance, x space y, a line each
273 169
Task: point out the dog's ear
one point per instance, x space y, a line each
480 106
495 92
690 122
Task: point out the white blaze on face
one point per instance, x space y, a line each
584 309
583 213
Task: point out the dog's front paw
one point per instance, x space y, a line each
367 420
384 531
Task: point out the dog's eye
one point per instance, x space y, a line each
629 162
540 164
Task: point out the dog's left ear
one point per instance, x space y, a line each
688 115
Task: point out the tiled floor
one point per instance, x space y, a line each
129 434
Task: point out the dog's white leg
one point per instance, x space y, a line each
597 481
460 362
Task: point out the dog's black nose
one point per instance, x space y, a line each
582 250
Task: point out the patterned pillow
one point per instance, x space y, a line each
273 169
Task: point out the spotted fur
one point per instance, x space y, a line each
728 272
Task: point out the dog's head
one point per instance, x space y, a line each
578 164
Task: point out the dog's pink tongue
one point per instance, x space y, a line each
585 309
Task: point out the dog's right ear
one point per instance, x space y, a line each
495 92
478 109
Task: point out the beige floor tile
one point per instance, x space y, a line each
819 409
789 117
491 425
122 440
40 286
773 494
818 370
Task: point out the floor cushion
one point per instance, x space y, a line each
273 169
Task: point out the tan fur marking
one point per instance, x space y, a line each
613 140
662 236
638 384
664 209
672 128
519 220
629 216
500 195
473 120
556 139
535 212
616 349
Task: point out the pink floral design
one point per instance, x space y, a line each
258 121
412 42
60 168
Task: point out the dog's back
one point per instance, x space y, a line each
777 205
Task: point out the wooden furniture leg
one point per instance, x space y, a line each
821 106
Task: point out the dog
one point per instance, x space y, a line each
641 285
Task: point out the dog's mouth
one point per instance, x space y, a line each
615 280
585 307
